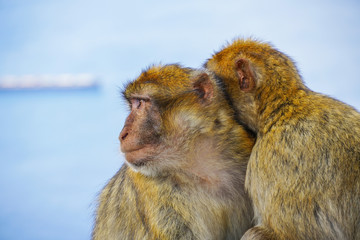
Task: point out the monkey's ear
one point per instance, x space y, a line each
204 87
245 74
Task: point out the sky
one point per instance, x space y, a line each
57 150
119 38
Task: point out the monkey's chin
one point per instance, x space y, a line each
144 167
140 160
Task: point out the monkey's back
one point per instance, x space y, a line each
314 149
133 206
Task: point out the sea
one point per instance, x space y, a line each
58 148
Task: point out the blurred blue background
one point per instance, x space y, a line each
59 148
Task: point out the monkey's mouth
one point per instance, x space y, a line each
130 150
140 155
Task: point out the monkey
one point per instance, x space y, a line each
185 162
303 174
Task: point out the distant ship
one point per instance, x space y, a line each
60 81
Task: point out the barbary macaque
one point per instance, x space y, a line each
186 159
303 174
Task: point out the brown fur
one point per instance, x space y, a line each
304 171
188 180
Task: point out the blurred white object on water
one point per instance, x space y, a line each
61 81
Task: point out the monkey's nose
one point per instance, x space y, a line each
123 135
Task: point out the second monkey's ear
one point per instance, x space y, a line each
245 74
204 87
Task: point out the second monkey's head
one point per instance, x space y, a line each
257 78
176 115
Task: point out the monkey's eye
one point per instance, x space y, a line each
136 103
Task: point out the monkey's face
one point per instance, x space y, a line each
140 136
167 111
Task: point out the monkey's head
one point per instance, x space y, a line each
171 109
254 74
